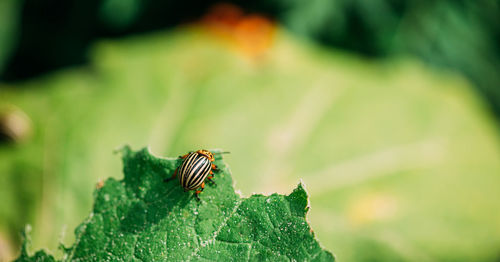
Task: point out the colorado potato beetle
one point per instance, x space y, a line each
196 167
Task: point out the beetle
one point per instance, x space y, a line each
196 167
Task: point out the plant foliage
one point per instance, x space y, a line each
141 218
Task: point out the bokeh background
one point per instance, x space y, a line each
387 110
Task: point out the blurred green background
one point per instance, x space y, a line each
387 110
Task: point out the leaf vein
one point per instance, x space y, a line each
216 233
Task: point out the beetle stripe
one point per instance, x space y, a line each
194 170
201 174
194 165
185 165
191 171
197 172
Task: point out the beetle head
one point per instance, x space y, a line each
207 154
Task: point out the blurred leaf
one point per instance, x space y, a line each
9 12
119 14
453 35
395 155
143 218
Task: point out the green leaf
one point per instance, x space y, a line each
10 11
143 218
400 161
40 255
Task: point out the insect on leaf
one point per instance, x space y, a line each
143 218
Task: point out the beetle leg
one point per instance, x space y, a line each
209 179
199 191
172 177
214 167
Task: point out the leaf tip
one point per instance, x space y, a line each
26 238
124 150
41 255
299 200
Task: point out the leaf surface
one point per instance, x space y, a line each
141 218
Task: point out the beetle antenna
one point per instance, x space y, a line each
220 153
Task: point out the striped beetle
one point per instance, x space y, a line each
196 167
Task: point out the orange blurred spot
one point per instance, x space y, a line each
99 184
250 34
223 16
